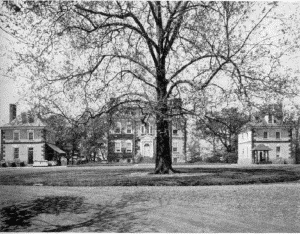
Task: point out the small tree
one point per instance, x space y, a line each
224 126
94 139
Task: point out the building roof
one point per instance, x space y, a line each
264 124
261 147
17 122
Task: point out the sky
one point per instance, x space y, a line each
9 86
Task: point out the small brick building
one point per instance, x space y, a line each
27 139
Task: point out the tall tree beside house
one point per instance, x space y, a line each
223 126
67 137
88 136
94 140
80 54
292 118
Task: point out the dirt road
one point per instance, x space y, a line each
246 208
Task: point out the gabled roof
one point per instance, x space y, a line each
17 122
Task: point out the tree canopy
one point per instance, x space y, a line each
80 54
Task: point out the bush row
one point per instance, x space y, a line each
13 164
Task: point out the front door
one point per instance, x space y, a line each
147 150
261 156
30 155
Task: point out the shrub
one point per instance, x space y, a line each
213 159
196 158
4 164
230 157
22 164
81 161
13 164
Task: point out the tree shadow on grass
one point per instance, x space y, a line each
20 215
111 216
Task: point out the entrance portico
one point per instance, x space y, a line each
260 154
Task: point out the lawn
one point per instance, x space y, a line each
132 176
136 176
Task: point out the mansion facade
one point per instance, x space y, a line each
132 137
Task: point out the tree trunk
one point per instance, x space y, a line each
297 147
163 161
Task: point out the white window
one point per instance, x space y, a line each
175 147
150 129
129 127
175 131
118 128
16 135
117 147
30 135
277 135
147 129
16 152
128 146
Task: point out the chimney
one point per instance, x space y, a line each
12 112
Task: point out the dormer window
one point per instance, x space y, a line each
270 118
30 117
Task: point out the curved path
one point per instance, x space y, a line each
245 208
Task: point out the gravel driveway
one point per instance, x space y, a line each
246 208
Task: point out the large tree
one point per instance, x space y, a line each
80 54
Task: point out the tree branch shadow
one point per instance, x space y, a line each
115 216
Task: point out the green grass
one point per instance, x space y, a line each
129 176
